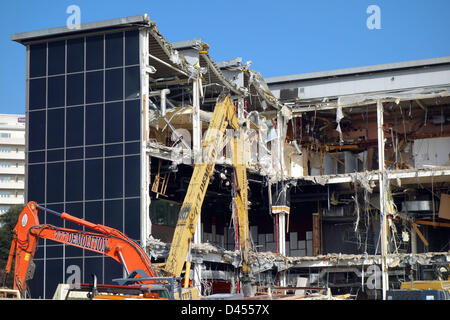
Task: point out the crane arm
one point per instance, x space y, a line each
223 116
107 241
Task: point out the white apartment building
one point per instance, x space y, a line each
12 160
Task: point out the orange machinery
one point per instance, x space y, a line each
105 240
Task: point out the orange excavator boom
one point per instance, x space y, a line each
105 240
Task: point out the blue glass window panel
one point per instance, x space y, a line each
93 266
36 156
38 60
36 183
54 275
132 176
75 89
94 152
56 57
114 50
132 120
132 82
55 182
115 270
132 148
132 47
113 150
36 132
55 128
94 179
113 177
132 218
114 214
55 155
75 126
114 122
114 84
56 91
74 153
94 86
75 55
94 52
74 180
94 124
37 94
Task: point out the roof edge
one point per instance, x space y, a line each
30 35
359 70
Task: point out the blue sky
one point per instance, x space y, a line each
280 37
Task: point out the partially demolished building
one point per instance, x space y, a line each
348 170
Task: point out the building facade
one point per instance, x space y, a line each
84 139
115 114
12 160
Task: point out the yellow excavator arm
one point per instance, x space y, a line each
223 116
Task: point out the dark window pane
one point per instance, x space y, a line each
36 285
75 55
132 120
94 152
93 266
55 155
94 86
131 47
94 179
74 153
36 183
132 148
55 182
37 93
56 57
114 214
94 52
132 83
75 126
115 270
114 50
75 89
114 84
114 150
54 274
56 91
113 177
94 124
38 58
36 130
55 128
132 176
114 122
74 180
37 156
133 218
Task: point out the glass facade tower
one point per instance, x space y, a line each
83 144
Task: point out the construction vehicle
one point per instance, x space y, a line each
436 289
224 116
144 277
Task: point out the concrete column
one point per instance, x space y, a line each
197 148
413 241
145 180
382 189
282 243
